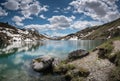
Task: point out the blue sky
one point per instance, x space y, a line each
58 17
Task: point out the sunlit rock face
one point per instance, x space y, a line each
9 33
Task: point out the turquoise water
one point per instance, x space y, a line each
16 58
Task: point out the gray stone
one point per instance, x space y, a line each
77 54
44 63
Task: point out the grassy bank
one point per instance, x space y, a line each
113 56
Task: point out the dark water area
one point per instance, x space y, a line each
16 58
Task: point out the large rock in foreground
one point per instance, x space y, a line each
45 63
77 54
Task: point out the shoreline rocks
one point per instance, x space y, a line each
44 63
52 65
49 63
77 54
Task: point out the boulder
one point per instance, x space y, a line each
44 63
77 54
102 52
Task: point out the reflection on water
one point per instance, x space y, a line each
16 47
15 59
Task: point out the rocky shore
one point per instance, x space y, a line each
81 65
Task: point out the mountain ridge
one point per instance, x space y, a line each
105 31
9 33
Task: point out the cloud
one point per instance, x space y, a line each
26 1
102 10
60 22
42 16
33 8
26 14
55 11
26 7
18 20
54 33
3 12
11 5
72 17
55 23
19 24
63 23
38 27
83 24
67 9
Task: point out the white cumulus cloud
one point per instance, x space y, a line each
60 22
3 12
11 5
27 8
18 20
42 16
102 10
83 24
34 8
26 1
55 23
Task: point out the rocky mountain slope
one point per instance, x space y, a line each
10 33
106 31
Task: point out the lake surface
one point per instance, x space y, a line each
16 58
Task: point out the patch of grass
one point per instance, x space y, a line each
84 72
114 57
117 60
105 49
78 79
64 62
70 72
108 46
115 75
81 72
77 74
62 68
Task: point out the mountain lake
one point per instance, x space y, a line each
16 58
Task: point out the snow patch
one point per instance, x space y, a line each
28 40
17 39
74 38
111 29
118 27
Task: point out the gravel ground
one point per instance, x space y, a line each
99 68
116 45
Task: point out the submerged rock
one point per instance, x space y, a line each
44 63
77 54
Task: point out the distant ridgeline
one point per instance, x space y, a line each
106 31
10 33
